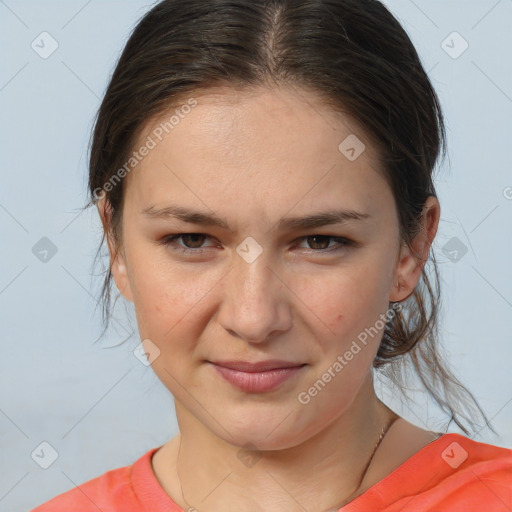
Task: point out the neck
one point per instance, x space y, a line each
322 473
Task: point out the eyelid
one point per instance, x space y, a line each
170 239
342 242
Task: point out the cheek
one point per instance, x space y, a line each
155 305
341 304
167 314
169 299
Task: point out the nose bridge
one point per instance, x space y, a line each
253 282
251 273
254 305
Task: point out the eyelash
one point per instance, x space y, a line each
343 243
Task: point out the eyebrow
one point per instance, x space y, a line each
298 223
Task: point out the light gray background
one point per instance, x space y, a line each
99 407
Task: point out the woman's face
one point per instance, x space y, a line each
254 285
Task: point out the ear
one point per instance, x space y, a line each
410 263
117 258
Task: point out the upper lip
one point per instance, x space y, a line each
260 366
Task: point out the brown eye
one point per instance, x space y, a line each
193 240
318 241
323 243
190 242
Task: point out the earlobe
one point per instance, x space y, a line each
118 265
412 261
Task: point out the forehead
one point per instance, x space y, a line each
260 143
228 113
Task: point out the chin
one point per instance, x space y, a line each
262 432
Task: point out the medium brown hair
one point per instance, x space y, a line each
360 60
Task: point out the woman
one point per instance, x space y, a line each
263 172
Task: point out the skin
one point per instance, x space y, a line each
252 158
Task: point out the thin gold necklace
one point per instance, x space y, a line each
354 495
337 507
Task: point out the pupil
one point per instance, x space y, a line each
322 239
192 236
197 240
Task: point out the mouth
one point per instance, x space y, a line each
258 377
260 366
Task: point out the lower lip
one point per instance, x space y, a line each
259 382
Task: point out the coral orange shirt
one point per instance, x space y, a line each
451 474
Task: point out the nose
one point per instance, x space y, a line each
255 303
